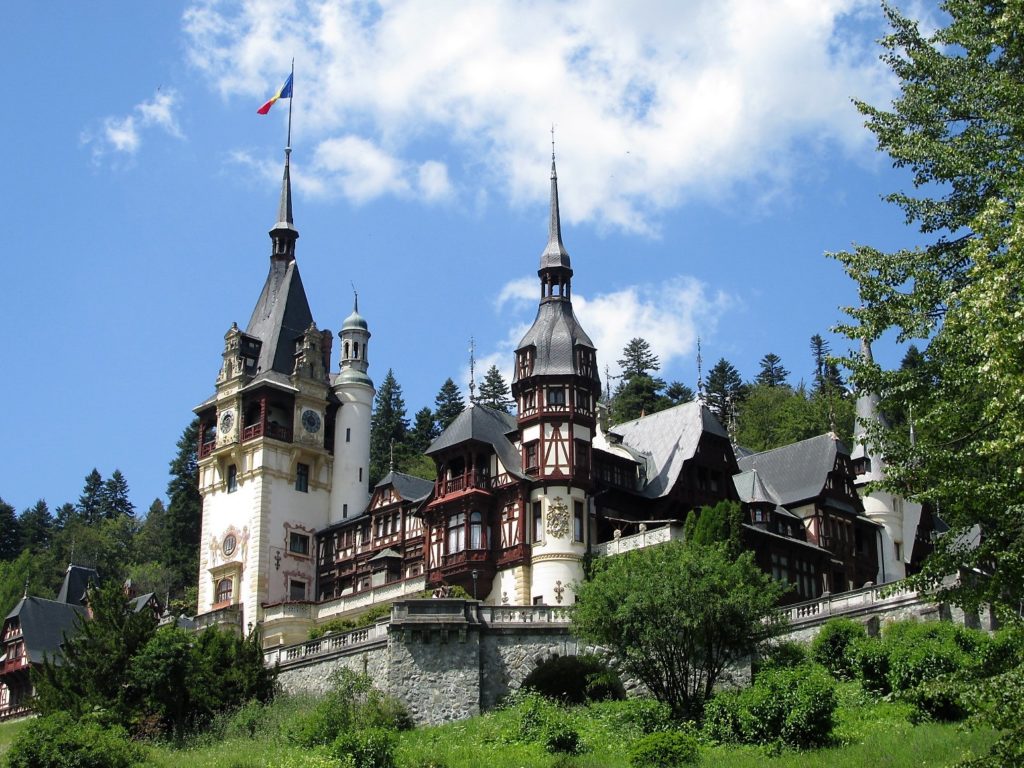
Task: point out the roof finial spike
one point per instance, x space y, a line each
554 254
472 371
26 588
355 297
552 150
391 461
700 375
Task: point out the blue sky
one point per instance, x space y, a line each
708 157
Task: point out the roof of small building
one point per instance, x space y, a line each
486 425
44 624
77 579
669 438
798 471
409 487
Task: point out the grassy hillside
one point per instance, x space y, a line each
868 733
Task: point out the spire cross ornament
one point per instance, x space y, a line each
472 370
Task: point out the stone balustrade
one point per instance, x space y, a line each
645 538
503 615
328 645
395 590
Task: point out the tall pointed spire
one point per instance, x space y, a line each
284 234
554 254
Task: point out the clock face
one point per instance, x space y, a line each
311 421
227 420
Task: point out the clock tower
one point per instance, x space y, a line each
265 462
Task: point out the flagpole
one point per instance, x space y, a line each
291 101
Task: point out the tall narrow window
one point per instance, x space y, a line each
302 478
476 531
224 590
456 533
348 434
360 474
577 521
538 522
344 510
232 478
530 450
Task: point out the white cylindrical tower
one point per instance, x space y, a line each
353 387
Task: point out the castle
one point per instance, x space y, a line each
293 536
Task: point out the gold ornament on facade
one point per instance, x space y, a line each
558 519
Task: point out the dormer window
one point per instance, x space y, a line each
525 363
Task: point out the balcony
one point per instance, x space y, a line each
273 431
11 666
205 449
513 554
228 617
471 480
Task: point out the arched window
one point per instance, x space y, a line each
345 353
476 530
355 349
224 590
456 533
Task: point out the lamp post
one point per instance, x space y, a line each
476 575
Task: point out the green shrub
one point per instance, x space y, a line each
944 699
560 737
366 748
920 651
833 647
795 706
668 749
784 655
634 717
1003 652
531 716
58 741
873 665
351 704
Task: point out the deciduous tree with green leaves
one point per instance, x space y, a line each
958 126
677 616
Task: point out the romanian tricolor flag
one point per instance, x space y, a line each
285 92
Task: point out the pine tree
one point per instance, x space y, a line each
494 391
448 404
65 515
10 536
638 359
36 527
820 350
114 501
424 430
678 393
772 373
184 513
389 429
725 390
90 503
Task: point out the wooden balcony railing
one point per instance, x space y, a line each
274 431
205 449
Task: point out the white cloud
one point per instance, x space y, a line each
653 102
123 134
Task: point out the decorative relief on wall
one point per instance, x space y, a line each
558 519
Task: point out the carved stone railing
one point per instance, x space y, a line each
228 617
288 655
670 532
517 615
341 605
864 600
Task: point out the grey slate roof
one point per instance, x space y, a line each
555 333
280 317
485 425
76 581
409 487
385 554
44 624
751 487
796 472
669 438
